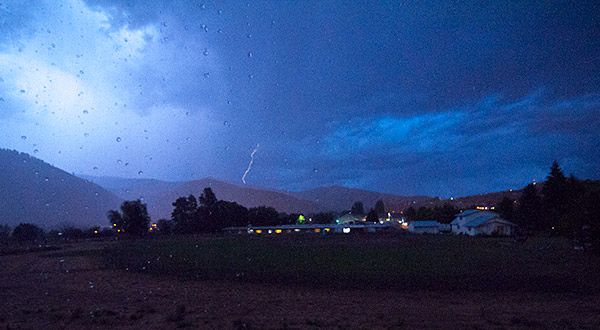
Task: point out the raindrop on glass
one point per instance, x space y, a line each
140 172
35 151
118 139
23 137
205 52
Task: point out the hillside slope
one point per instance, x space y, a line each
35 192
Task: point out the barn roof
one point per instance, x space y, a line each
425 223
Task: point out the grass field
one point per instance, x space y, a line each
397 261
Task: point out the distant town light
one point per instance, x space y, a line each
346 230
278 231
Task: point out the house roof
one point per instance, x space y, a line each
474 218
425 223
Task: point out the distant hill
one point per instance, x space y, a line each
340 198
35 192
159 195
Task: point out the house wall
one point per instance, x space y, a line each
460 229
494 228
424 230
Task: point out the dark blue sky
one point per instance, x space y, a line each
408 98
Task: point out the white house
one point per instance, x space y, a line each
480 222
424 227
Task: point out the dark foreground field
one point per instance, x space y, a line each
303 282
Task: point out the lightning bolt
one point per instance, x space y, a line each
250 165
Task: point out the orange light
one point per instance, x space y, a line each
258 231
278 231
317 230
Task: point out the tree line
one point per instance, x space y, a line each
207 214
563 206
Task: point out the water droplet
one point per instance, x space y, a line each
120 162
23 137
250 76
46 179
86 134
85 112
140 172
249 35
95 168
250 54
205 52
315 170
226 124
206 74
35 151
118 139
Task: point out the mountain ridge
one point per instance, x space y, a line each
33 191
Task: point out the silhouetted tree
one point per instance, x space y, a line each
323 218
185 215
444 214
230 214
4 233
506 208
528 212
555 199
208 211
425 213
357 209
380 208
133 219
116 220
27 232
410 214
263 216
372 216
208 198
165 227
